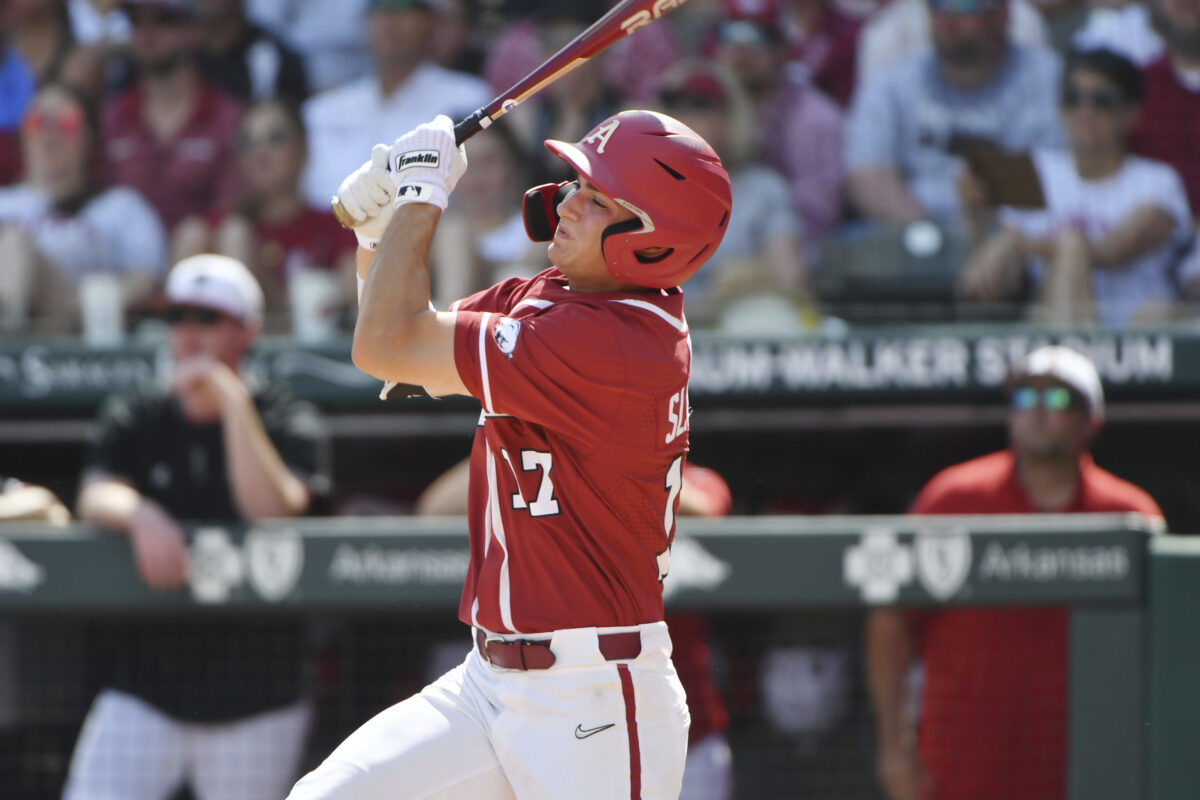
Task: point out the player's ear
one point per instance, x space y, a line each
540 209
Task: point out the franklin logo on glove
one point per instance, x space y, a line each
417 158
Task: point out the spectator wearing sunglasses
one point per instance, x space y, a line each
192 704
62 224
994 702
271 229
1104 247
170 135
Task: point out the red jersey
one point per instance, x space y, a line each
193 173
1168 125
312 239
994 710
577 463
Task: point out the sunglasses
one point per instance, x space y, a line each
276 137
1051 398
68 122
177 315
1099 99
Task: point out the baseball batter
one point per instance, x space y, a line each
582 373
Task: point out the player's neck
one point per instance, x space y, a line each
598 285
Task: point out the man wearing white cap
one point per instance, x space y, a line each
994 703
191 702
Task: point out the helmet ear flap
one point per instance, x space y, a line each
540 209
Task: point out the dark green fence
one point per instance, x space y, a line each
1134 595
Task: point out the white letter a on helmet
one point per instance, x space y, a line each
603 133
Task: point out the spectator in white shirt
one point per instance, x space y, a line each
404 90
330 35
62 224
900 28
1104 247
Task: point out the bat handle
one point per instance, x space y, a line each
468 126
463 129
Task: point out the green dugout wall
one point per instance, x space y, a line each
1134 595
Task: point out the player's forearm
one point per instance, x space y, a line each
262 485
890 649
396 293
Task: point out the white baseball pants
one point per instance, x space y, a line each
585 729
129 750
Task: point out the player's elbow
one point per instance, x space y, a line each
380 352
367 355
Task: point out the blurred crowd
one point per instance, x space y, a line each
891 159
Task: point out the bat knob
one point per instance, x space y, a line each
339 211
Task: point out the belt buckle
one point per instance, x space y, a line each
487 639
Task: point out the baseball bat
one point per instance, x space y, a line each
620 21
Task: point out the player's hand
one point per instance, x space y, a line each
901 774
159 547
368 195
426 163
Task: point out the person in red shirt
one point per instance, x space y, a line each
576 469
1169 123
170 136
993 710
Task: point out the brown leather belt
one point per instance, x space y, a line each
526 654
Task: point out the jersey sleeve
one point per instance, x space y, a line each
495 298
563 369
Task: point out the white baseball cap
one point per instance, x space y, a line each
1068 366
218 282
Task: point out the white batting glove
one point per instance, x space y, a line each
368 195
426 164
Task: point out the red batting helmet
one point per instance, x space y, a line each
672 181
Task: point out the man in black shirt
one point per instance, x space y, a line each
215 703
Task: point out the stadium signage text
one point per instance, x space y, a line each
396 567
933 362
881 563
949 364
1027 563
